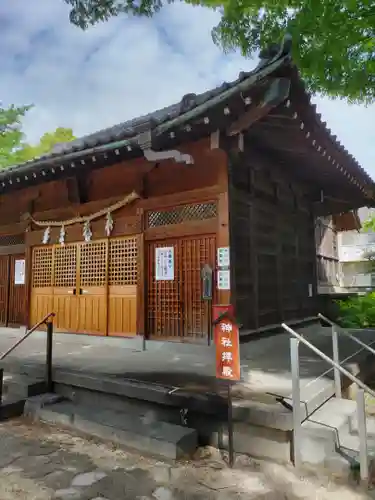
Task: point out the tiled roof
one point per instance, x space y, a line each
272 61
165 116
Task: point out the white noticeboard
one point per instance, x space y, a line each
19 272
223 280
164 263
223 257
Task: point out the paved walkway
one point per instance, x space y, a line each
40 462
265 361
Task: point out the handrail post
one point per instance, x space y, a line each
346 334
329 360
336 359
296 401
362 432
49 343
1 384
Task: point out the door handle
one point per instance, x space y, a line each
72 292
81 291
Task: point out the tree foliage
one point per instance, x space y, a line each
46 144
10 133
333 40
369 224
357 312
13 149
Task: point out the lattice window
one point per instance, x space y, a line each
123 261
164 297
175 307
42 267
65 265
177 215
12 239
93 259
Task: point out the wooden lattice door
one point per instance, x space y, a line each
92 287
4 288
17 297
164 307
175 308
65 301
122 286
196 253
41 284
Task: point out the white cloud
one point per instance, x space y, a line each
127 67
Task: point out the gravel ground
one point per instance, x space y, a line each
40 462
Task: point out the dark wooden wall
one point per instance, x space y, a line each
272 243
162 186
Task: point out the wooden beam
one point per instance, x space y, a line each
331 206
15 228
190 228
141 278
275 94
12 249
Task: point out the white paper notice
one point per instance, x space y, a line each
223 257
19 272
164 263
223 280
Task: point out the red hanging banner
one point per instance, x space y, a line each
227 348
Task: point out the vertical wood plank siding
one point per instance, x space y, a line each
272 240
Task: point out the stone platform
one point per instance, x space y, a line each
265 361
168 379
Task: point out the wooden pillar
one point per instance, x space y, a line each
314 277
233 159
253 251
223 228
233 147
28 279
279 221
141 277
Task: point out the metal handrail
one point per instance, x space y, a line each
347 334
317 351
27 334
338 369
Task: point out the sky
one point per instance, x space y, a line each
123 68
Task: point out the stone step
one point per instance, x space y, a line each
22 386
331 418
330 434
273 414
11 407
370 426
145 435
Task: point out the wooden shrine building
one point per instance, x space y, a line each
119 232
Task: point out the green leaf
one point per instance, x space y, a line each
13 150
334 40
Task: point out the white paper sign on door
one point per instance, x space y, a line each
164 263
223 280
223 258
19 272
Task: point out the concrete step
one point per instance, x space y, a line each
147 436
330 435
11 407
331 418
370 426
271 413
22 386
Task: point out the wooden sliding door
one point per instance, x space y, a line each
92 287
175 308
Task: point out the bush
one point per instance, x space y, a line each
357 312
